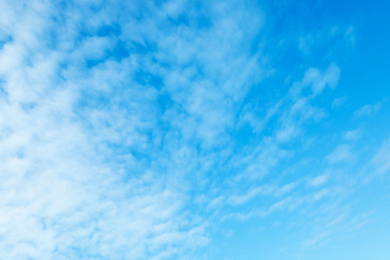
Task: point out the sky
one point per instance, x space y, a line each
194 129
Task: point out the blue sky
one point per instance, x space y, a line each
194 130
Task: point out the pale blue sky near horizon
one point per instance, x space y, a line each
194 129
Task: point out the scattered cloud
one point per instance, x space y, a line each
319 80
236 200
338 102
350 35
319 180
368 110
341 154
381 160
135 130
353 135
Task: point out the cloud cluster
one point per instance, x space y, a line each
132 130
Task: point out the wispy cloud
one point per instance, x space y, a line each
319 80
337 102
79 128
368 110
381 159
319 180
140 130
353 135
341 154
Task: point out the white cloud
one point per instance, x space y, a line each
381 160
132 156
350 36
319 80
91 164
338 102
319 180
368 110
257 121
237 200
341 154
352 135
293 119
287 188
